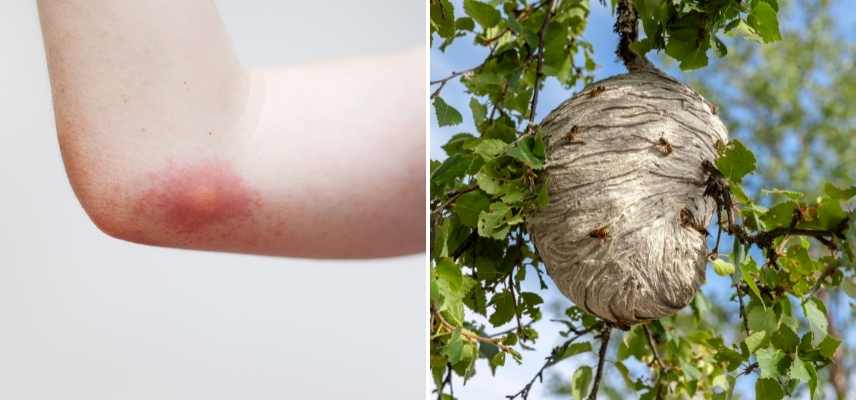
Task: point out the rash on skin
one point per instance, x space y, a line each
190 199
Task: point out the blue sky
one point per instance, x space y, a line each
463 55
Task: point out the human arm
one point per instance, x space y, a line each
168 140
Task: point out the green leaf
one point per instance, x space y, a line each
454 347
488 183
786 339
465 24
828 346
469 205
799 371
836 192
490 148
574 349
453 167
580 382
736 161
485 14
849 286
479 111
446 114
449 290
497 360
493 223
754 341
768 389
503 308
458 143
765 22
768 361
723 268
817 322
530 151
761 319
747 267
443 18
743 29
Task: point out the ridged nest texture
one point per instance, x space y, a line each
623 235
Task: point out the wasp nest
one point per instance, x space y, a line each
624 233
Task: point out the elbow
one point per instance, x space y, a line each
113 216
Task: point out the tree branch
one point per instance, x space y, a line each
653 345
627 28
601 360
540 63
551 360
470 335
453 195
442 82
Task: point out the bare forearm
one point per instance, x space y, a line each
350 152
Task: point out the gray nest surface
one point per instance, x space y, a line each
624 233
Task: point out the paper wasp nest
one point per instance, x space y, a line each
623 235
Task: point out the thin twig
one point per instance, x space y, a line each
742 308
453 195
447 380
514 303
601 359
442 82
551 360
540 62
653 344
472 336
520 18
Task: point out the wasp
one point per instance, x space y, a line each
688 219
665 146
713 107
600 233
597 90
571 136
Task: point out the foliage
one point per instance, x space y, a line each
786 249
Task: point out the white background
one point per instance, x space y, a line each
85 316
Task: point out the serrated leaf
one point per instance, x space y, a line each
580 382
764 21
785 339
768 362
490 148
454 347
446 114
836 192
469 206
799 371
768 389
453 167
817 322
574 349
493 223
747 266
735 161
485 14
761 319
754 341
503 308
443 18
530 151
488 183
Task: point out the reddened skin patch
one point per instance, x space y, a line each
190 199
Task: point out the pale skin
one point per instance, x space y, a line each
168 140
